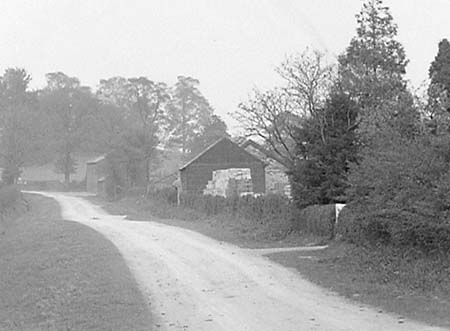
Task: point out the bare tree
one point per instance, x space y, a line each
269 116
309 77
273 115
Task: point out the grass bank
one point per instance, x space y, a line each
407 284
60 275
12 204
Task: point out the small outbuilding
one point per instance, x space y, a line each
277 180
95 175
223 154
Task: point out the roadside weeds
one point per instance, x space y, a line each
342 267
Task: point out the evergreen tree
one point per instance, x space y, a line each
188 113
215 129
326 145
439 90
439 71
372 69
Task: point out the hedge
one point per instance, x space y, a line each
260 209
318 219
394 227
265 210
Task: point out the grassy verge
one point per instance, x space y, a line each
12 204
242 233
412 286
409 285
60 275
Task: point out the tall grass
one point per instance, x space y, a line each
11 201
9 197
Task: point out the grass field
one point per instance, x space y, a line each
60 275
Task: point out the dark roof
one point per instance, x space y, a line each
213 145
265 151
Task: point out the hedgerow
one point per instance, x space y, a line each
271 211
317 219
400 196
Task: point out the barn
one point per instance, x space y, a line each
223 154
95 175
277 180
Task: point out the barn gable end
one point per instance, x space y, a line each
223 154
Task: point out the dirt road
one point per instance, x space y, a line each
196 283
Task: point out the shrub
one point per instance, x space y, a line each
399 195
9 197
394 227
261 209
317 219
275 212
166 194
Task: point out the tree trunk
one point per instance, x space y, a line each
67 169
147 176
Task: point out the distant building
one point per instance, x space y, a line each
95 175
223 154
277 181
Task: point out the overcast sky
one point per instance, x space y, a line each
230 46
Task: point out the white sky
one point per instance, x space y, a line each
229 45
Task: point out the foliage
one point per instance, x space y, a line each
272 115
308 79
165 195
326 145
16 120
439 71
188 113
133 112
372 68
68 109
275 212
213 130
65 163
399 195
316 219
260 209
374 63
438 107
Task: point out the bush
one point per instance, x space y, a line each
394 227
400 196
260 209
9 197
166 195
272 211
317 219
